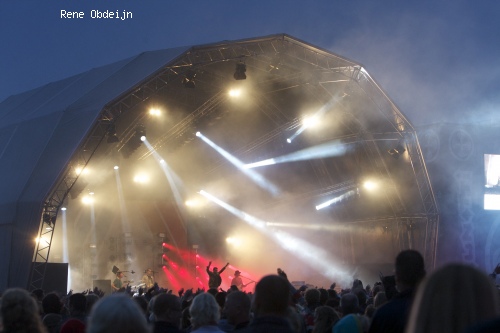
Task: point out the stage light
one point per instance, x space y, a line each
87 200
112 137
254 176
328 149
134 141
141 178
81 171
154 112
235 92
301 249
337 199
193 203
198 134
370 185
239 73
116 167
289 140
63 209
188 80
236 242
143 138
397 151
310 121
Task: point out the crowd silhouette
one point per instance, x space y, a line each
455 298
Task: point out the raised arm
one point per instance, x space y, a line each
208 267
223 268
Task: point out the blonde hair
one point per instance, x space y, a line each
20 312
451 299
204 310
117 313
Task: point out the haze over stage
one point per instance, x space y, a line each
96 120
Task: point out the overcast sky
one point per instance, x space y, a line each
438 60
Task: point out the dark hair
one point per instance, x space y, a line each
272 295
349 303
78 303
410 268
312 296
51 303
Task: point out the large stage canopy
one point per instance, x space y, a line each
95 120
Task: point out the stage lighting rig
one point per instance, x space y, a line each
134 141
188 80
112 137
397 151
239 73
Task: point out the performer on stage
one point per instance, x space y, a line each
214 279
118 284
148 279
238 282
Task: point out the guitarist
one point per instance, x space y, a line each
118 284
238 282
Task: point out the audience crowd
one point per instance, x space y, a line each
455 298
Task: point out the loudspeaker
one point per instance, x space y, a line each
103 285
56 278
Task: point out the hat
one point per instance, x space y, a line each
73 326
237 273
115 270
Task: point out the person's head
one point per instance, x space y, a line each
117 313
204 310
91 300
272 296
349 303
237 273
325 318
167 307
312 296
323 296
149 272
237 307
451 299
357 284
38 294
370 311
77 304
51 303
215 269
143 303
119 275
220 298
409 269
379 299
361 295
19 312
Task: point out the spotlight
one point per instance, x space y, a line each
63 209
116 167
397 151
188 80
239 73
235 92
134 141
154 112
143 138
